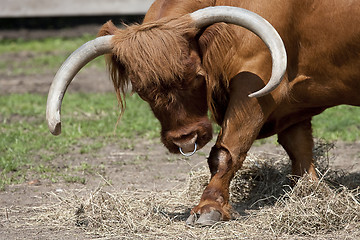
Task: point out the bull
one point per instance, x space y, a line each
191 57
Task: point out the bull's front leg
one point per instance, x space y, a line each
241 125
214 205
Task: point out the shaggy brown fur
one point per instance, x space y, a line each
151 56
154 57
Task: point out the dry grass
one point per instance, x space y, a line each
268 207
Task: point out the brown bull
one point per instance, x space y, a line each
185 64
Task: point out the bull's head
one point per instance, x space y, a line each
172 82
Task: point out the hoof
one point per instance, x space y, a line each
205 219
191 220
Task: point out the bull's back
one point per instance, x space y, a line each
174 8
328 52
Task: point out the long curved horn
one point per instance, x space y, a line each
256 24
67 72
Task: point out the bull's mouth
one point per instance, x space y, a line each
188 144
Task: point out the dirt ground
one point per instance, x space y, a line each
147 166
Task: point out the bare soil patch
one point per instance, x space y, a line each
91 80
143 192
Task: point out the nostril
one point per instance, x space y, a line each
184 136
186 140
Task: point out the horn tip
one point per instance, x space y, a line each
55 129
257 94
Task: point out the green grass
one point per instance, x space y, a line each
338 123
39 56
43 45
26 143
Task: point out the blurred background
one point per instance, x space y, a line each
29 18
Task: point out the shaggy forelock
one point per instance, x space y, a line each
154 53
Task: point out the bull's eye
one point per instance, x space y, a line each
165 99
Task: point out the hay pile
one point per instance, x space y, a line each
312 208
268 208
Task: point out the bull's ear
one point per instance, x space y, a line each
107 29
196 62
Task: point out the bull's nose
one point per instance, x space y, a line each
186 145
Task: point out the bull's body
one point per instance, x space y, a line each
322 39
224 63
